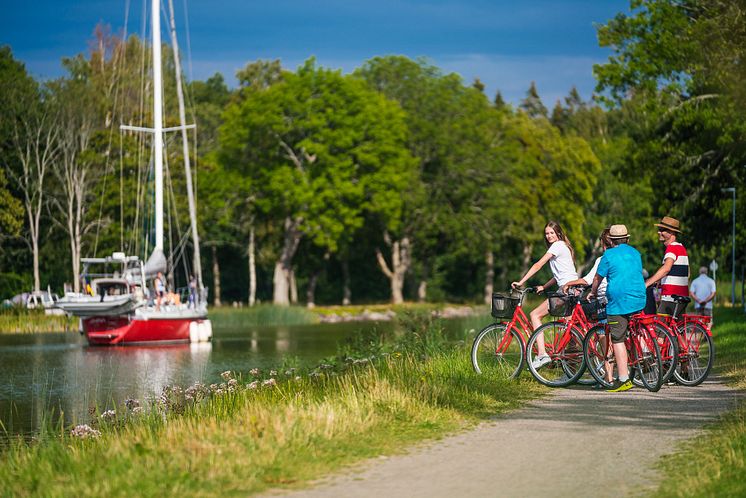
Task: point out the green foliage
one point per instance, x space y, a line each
676 79
324 148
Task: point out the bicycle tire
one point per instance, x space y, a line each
669 349
646 360
596 352
567 363
688 372
493 352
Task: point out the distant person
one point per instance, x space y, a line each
560 257
703 291
674 273
160 290
192 302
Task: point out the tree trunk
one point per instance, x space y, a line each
400 264
526 259
293 288
252 269
346 292
422 291
489 280
311 291
216 277
281 280
422 286
35 250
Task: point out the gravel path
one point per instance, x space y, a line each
556 446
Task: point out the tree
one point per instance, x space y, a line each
32 148
679 66
11 211
76 169
532 104
324 150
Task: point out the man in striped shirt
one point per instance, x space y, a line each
674 274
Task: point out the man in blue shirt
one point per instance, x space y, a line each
621 265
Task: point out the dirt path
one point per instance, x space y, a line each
557 446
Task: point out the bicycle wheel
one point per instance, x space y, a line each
565 348
697 356
669 349
496 351
586 379
645 360
599 357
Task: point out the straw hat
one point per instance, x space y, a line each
618 232
670 224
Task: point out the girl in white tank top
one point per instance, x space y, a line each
559 255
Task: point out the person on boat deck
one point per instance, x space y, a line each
192 291
160 290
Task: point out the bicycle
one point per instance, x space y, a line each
563 341
696 349
501 346
644 357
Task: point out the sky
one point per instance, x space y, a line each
506 44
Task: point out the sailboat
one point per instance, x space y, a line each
116 305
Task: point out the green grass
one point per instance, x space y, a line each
714 463
264 314
376 398
32 321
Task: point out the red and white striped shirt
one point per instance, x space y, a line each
676 283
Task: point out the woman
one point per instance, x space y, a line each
560 257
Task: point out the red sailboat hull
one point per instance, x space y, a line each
110 330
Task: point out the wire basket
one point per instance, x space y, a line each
503 306
594 310
561 304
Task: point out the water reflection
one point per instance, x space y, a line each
58 372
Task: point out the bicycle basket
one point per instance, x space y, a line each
503 306
561 304
594 310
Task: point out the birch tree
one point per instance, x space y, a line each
32 131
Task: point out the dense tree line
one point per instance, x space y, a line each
397 181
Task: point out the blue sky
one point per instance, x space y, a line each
506 44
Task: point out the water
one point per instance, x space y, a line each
44 373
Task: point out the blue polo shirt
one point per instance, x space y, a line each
622 268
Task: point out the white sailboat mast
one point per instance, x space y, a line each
158 123
185 143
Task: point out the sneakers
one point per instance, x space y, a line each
619 386
540 361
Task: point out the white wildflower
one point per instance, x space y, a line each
85 432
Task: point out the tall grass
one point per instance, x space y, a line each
16 321
714 463
251 432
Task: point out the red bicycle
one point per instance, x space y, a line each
644 356
563 340
693 338
501 346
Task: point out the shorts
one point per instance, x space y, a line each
618 327
669 307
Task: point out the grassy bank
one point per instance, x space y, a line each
266 429
714 463
33 321
30 321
